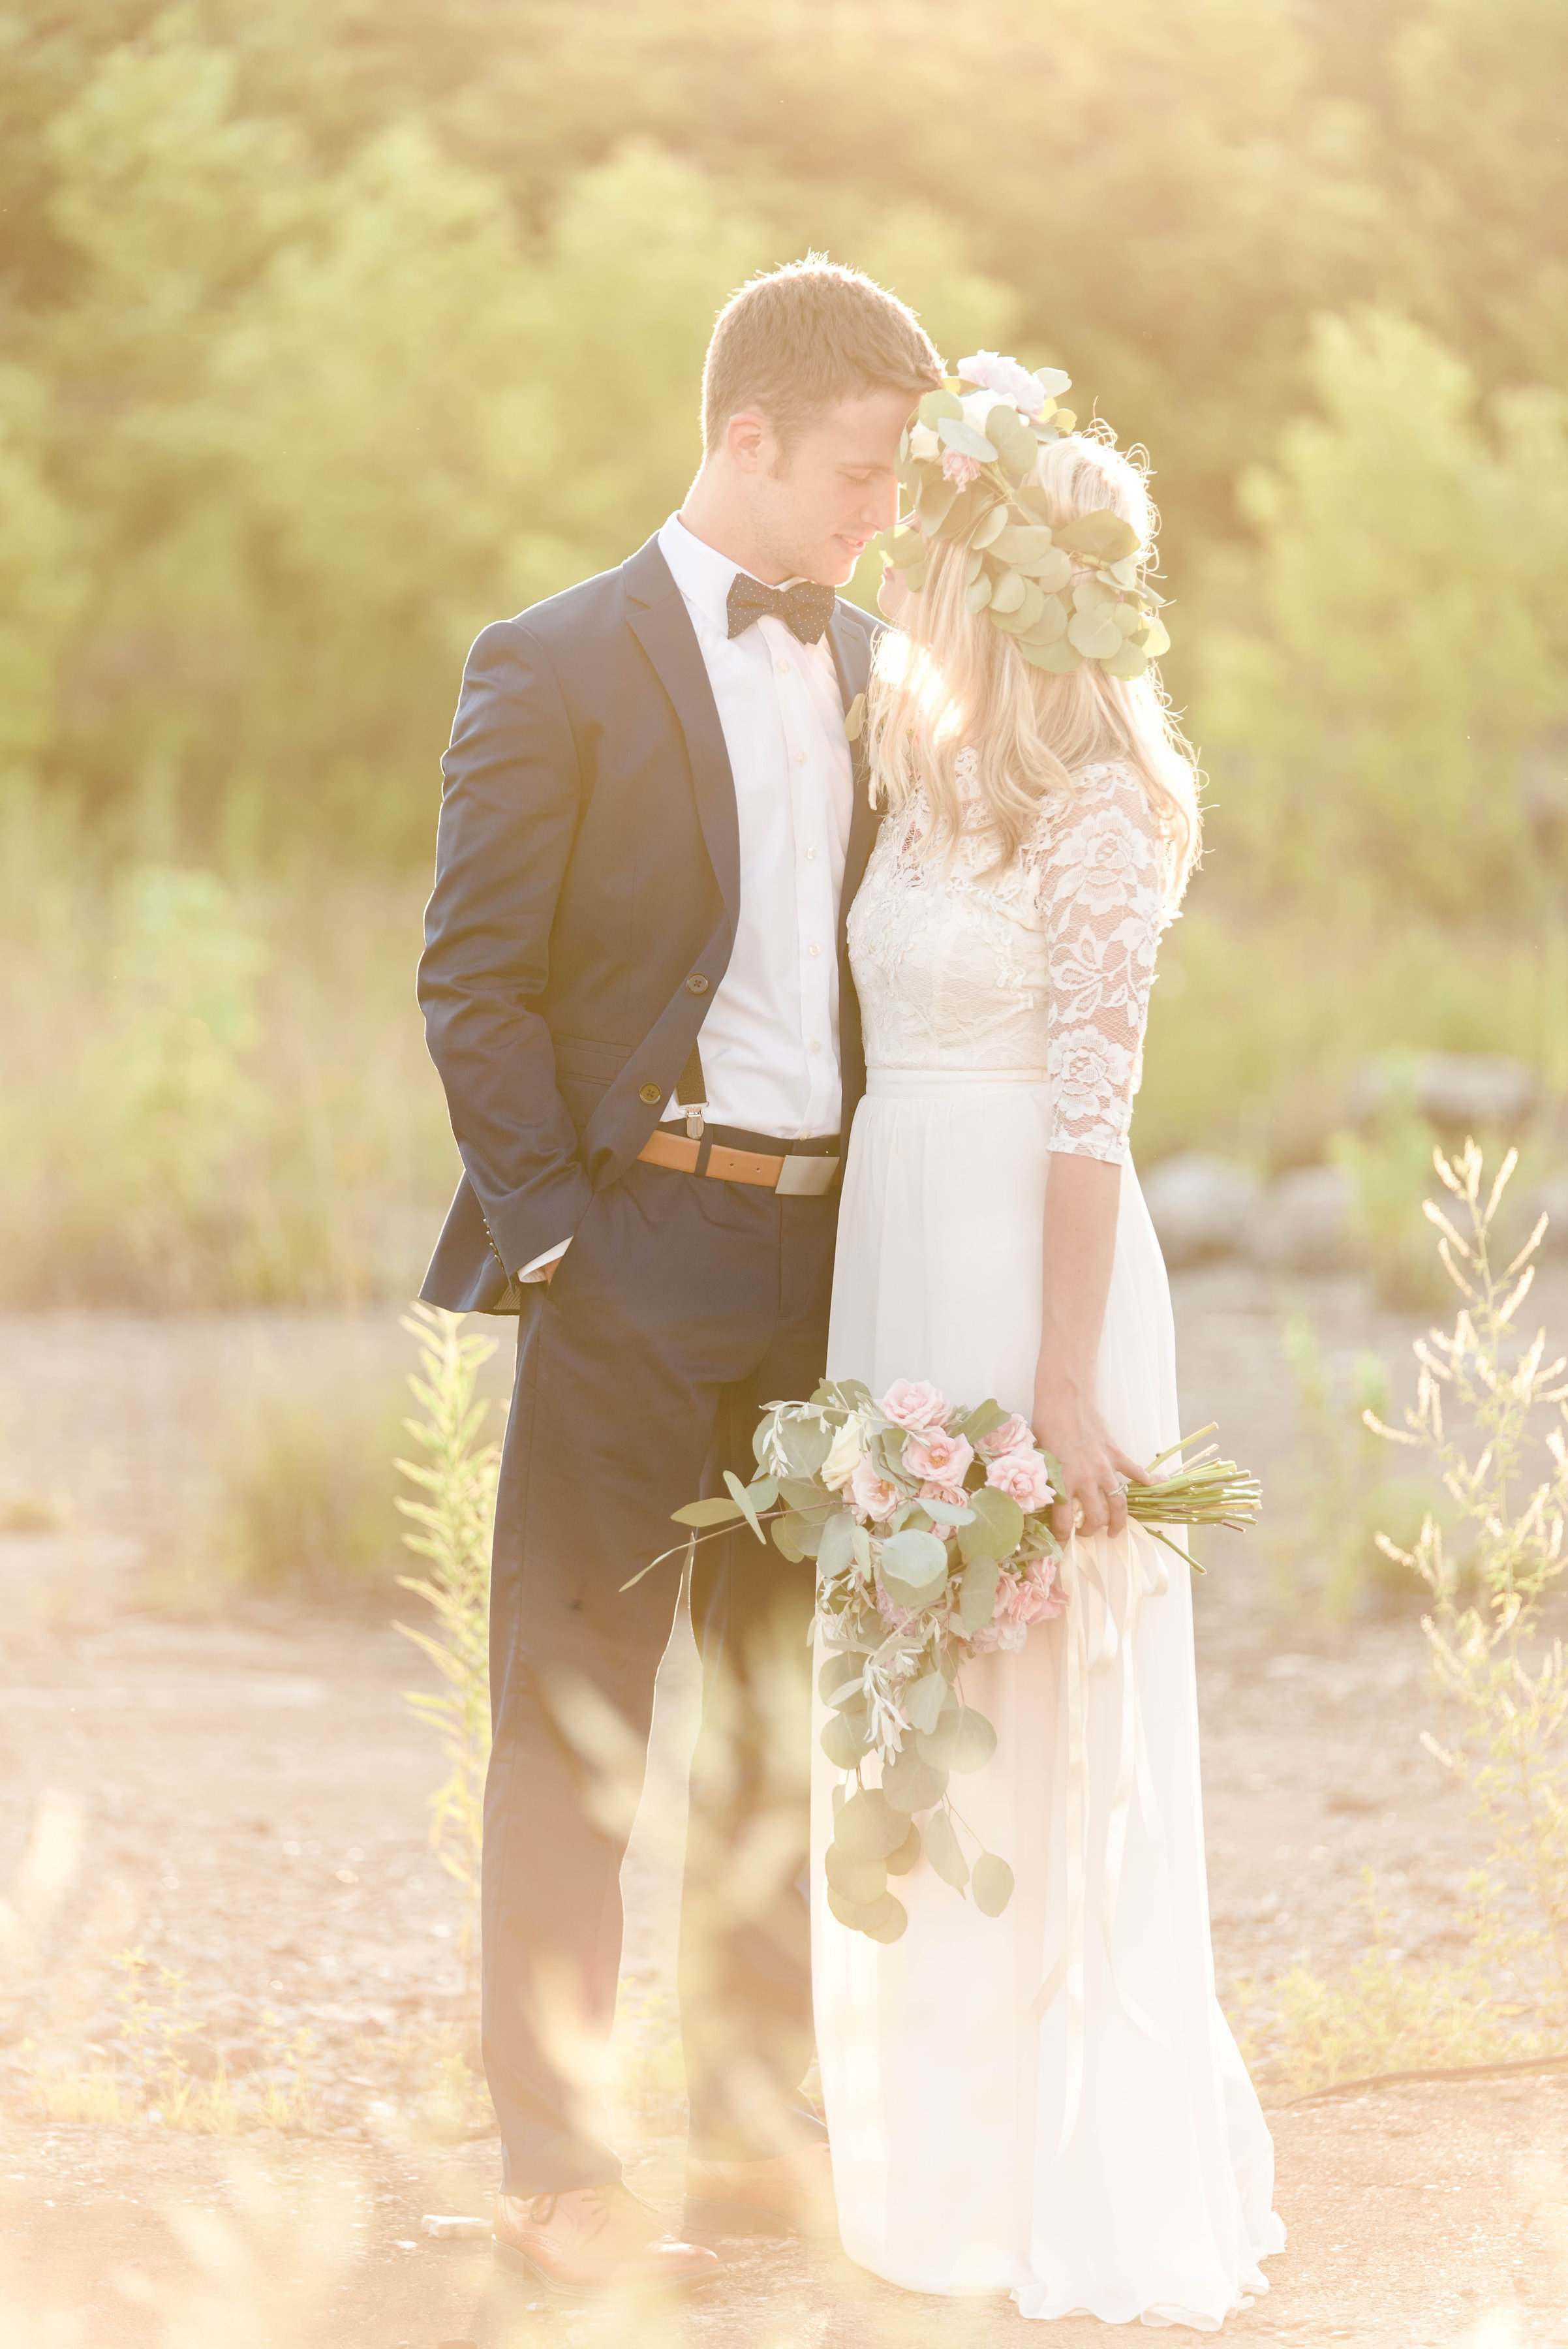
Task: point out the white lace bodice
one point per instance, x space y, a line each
1048 968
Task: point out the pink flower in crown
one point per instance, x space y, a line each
871 1496
915 1404
954 1495
937 1457
1014 1434
1023 1475
957 467
1020 1599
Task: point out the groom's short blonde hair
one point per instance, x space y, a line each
799 339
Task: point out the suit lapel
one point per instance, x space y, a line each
657 614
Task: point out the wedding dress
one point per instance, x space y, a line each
1048 2103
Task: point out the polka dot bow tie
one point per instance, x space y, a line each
805 608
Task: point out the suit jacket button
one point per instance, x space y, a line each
696 983
651 1093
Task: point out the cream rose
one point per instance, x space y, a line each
844 1453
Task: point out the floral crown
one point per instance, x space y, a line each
1064 596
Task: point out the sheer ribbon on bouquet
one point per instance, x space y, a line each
1101 1629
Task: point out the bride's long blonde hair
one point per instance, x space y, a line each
947 679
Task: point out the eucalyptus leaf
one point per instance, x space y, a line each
843 1742
1053 570
977 1594
1124 573
838 1673
937 494
923 1701
960 435
998 1527
798 1493
982 1419
974 1742
1034 500
1130 662
715 1512
1022 543
1130 619
1099 537
738 1491
899 1862
946 1512
836 1550
942 1851
862 1541
938 404
913 1564
1008 593
973 564
976 595
992 1884
910 1784
1092 595
857 1880
807 1444
1053 382
883 1919
868 1827
1057 659
1019 622
992 527
1051 624
1013 439
1158 640
1095 633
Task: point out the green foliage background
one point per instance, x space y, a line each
329 330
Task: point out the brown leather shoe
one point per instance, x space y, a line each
594 2241
791 2194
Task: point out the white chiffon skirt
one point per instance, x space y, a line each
1109 2157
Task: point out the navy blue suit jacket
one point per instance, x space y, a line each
588 866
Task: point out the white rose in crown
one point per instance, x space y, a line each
1004 378
845 1454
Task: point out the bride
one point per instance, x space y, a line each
1048 2103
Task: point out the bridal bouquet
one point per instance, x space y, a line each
929 1525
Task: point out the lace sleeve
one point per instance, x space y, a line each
1099 868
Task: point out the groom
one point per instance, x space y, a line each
637 993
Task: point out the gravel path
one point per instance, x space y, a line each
242 1799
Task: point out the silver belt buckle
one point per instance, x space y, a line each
806 1178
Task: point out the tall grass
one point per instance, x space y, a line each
214 1091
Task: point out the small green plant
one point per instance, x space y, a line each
1491 1418
458 1477
1344 1496
1492 1654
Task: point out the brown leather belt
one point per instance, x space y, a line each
791 1177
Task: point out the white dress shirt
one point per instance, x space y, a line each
769 1039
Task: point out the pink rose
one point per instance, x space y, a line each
1020 1599
953 1494
915 1403
1022 1476
939 1458
872 1496
1014 1434
1006 377
957 467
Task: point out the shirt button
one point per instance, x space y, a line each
784 667
814 1046
651 1093
800 758
696 983
811 856
814 950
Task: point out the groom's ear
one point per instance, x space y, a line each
751 440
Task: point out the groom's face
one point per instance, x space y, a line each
832 485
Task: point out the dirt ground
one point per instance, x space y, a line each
244 1799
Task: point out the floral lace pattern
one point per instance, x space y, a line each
1045 969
